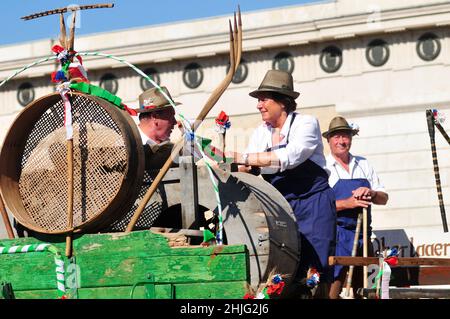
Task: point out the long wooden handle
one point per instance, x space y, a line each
354 249
162 172
5 217
69 196
365 246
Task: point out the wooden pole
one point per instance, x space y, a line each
70 46
365 245
354 249
402 261
224 145
69 197
162 172
430 122
5 217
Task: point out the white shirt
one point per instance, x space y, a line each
145 138
305 142
359 167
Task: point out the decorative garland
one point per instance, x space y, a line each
60 279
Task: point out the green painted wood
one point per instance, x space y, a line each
111 261
215 290
115 271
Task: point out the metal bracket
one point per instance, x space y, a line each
149 287
7 291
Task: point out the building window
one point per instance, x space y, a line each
241 72
428 47
109 83
284 62
25 94
331 59
193 75
152 74
377 52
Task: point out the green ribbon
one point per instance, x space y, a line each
97 91
208 235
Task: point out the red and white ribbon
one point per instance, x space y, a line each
64 90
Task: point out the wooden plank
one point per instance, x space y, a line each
107 260
112 271
409 293
402 261
189 190
434 276
213 290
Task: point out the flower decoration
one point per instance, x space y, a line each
222 122
272 288
312 277
439 117
392 257
69 68
355 127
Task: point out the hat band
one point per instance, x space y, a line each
270 87
148 107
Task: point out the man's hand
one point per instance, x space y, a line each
364 193
351 202
367 194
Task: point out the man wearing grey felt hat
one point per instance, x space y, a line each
156 123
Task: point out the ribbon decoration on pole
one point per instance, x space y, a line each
389 258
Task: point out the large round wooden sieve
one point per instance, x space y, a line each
108 163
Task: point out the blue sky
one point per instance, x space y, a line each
125 14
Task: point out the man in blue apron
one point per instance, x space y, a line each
356 186
288 148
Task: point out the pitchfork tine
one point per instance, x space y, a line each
62 36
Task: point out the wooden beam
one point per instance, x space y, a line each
402 261
408 293
434 276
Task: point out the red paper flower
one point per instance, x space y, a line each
275 288
391 261
249 296
222 118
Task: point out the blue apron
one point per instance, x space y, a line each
347 219
306 189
